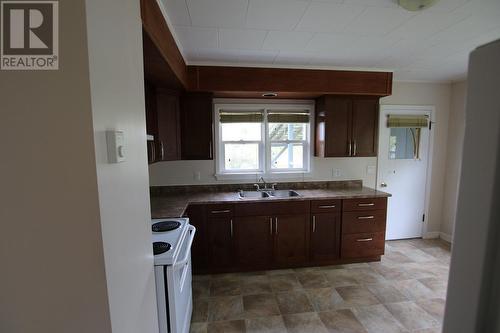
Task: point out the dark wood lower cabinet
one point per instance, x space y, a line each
291 242
325 237
271 235
220 243
253 237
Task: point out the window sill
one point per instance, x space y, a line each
271 176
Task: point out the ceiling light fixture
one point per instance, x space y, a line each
416 5
269 94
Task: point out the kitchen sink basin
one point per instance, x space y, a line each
283 193
253 194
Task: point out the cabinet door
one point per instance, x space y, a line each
365 126
199 249
291 241
151 120
253 241
337 126
220 242
325 236
197 127
167 104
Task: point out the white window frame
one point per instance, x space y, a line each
265 144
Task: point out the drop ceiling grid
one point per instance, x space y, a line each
366 34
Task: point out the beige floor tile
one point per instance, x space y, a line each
259 284
366 275
201 288
198 328
340 278
392 272
294 302
414 289
386 292
433 306
395 257
304 322
284 282
225 308
234 326
341 321
225 287
377 319
280 271
200 310
312 279
418 255
260 305
437 329
357 296
273 324
412 316
438 286
324 299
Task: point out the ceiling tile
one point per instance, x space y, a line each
218 13
275 14
286 40
177 11
285 58
241 39
323 41
373 3
325 17
378 21
193 37
258 57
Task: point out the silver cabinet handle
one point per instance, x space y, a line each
276 225
366 204
221 211
314 223
270 225
354 149
210 149
371 217
327 206
162 151
364 240
350 148
231 228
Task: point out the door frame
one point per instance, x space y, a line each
414 109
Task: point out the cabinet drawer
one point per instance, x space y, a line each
363 245
363 221
325 206
220 210
349 205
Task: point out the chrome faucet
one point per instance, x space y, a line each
265 188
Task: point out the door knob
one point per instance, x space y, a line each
383 185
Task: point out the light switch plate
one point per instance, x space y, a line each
116 146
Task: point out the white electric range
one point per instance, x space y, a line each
172 240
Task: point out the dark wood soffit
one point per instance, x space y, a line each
233 81
155 26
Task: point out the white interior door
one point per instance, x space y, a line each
402 171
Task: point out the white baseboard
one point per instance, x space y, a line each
431 235
446 237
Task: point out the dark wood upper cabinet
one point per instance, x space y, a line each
197 126
346 126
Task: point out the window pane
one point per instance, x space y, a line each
281 132
403 143
241 131
241 156
287 156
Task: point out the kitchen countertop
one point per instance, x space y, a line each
174 205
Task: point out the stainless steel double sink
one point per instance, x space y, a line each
261 194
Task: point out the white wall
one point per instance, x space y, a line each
116 81
52 277
183 172
437 95
456 132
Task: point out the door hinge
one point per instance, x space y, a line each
430 125
423 217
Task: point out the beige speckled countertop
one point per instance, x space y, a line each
174 205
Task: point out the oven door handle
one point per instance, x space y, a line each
192 231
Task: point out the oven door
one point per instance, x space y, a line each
180 302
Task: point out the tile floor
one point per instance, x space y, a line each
404 292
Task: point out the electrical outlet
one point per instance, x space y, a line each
336 173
